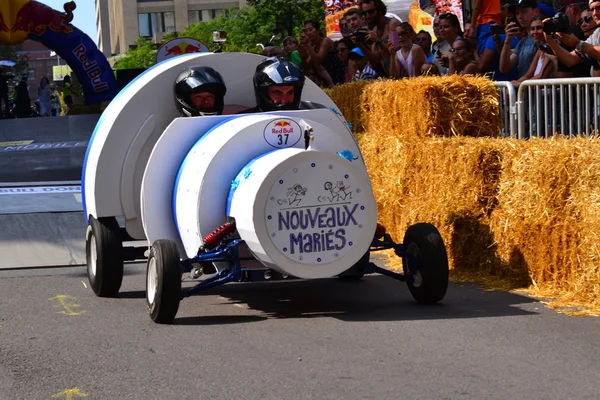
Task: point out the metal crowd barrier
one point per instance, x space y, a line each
508 109
547 107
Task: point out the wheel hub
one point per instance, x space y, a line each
93 255
152 281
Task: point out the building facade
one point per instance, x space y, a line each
121 22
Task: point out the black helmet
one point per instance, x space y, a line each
199 79
277 71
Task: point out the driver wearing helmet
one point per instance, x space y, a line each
200 91
278 86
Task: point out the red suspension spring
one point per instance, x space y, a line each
213 239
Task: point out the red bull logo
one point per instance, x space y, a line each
177 47
181 48
34 17
282 126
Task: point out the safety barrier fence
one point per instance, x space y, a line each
546 107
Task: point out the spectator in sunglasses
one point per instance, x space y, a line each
587 24
344 28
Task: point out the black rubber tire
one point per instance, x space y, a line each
424 241
357 271
107 276
165 304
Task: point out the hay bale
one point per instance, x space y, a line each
522 212
452 183
549 211
348 98
432 106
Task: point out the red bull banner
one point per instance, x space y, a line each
30 19
179 46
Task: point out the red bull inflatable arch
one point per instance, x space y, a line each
29 19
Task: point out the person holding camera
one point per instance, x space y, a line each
449 28
379 28
407 57
542 66
522 56
585 50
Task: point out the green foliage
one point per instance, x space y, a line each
9 53
246 28
143 56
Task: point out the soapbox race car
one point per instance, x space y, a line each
235 197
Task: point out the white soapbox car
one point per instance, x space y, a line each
236 197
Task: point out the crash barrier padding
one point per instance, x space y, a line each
422 106
522 213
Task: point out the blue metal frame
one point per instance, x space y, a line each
227 251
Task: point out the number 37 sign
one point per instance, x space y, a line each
282 133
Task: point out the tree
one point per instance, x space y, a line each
142 56
289 16
247 28
9 53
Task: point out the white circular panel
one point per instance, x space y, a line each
206 173
316 212
293 221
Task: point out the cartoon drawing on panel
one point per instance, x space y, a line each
338 192
294 195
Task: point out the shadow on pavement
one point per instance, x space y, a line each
218 320
375 298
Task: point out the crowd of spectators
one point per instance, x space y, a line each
504 43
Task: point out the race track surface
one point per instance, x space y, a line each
323 339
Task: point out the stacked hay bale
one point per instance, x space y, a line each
524 212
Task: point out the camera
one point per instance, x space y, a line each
497 29
513 20
360 34
545 47
559 23
219 36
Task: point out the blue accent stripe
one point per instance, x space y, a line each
185 160
101 119
242 175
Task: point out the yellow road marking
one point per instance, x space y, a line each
68 394
67 307
84 285
16 143
77 197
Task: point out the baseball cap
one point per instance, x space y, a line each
357 51
525 3
547 10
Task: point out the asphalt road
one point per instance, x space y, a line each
321 339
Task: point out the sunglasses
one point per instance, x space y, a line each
371 11
586 19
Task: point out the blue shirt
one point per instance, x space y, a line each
494 66
525 52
